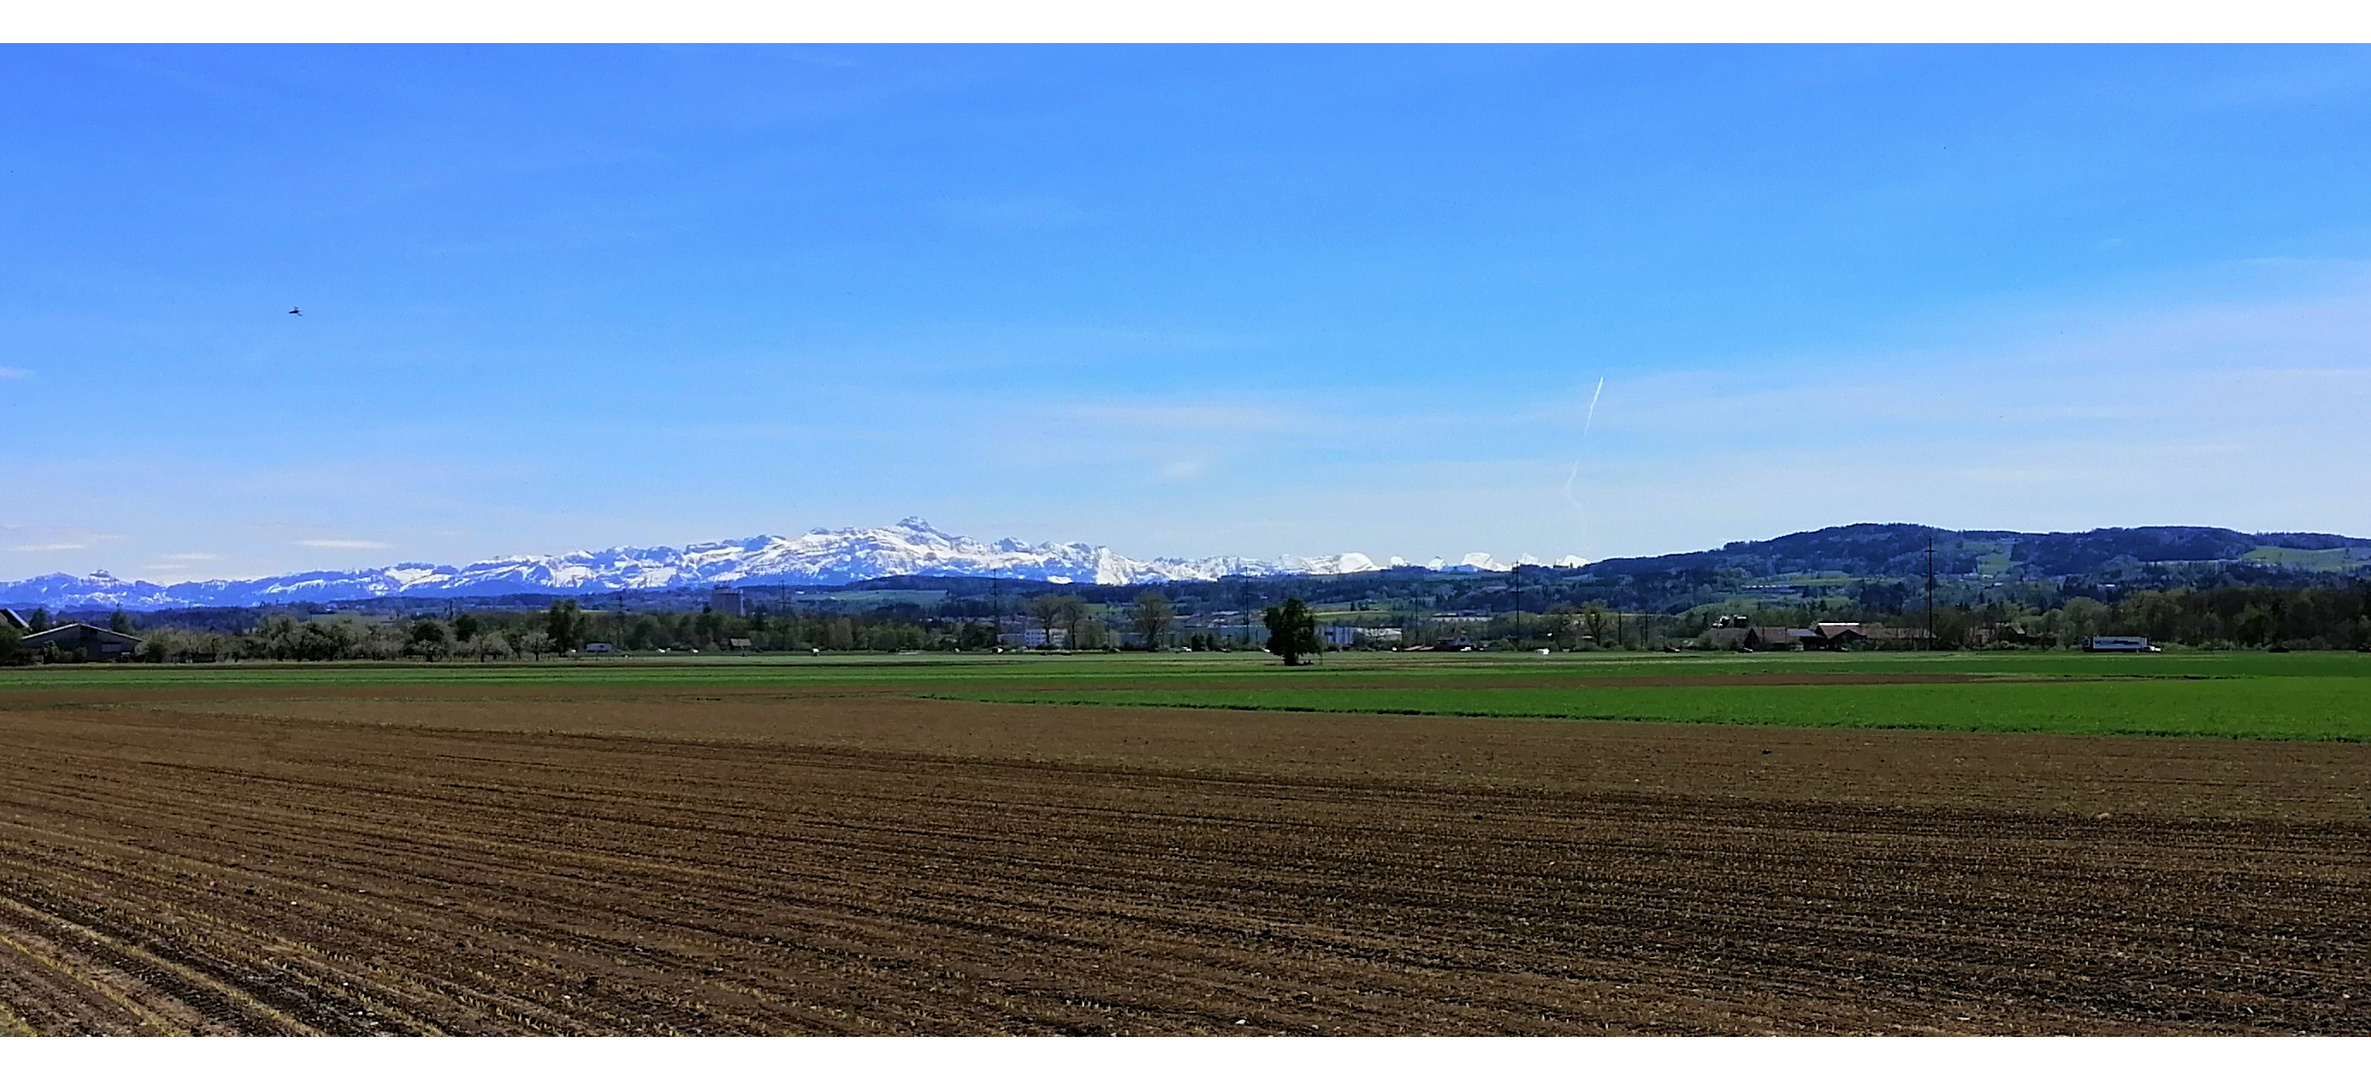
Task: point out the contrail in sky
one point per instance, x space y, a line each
1587 422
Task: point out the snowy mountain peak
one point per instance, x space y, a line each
820 556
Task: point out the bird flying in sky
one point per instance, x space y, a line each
294 311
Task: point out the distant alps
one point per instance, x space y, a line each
817 557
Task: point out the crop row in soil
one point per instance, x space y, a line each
875 865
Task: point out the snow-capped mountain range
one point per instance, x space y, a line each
818 557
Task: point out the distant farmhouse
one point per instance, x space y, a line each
93 642
1731 632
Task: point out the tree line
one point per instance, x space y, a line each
2336 616
567 627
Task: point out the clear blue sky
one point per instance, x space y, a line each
1181 301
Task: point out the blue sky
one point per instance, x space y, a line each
1183 301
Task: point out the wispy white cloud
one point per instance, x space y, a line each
36 539
13 373
1184 469
192 556
344 545
2217 413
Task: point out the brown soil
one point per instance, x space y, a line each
724 862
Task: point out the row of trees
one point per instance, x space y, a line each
2237 616
567 627
285 637
2242 616
2317 617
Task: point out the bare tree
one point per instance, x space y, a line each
1560 625
1054 609
1152 613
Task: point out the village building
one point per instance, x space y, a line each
1731 633
1757 638
1343 635
1838 635
2004 634
94 642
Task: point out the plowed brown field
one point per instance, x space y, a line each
738 861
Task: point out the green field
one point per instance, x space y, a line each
2315 696
2323 696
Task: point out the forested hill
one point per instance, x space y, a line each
1900 551
1876 567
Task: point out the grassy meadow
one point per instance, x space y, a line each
2310 696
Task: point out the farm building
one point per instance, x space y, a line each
2114 644
1759 638
1341 636
2004 634
1826 635
96 642
1835 635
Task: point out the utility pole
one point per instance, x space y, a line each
1514 578
1930 589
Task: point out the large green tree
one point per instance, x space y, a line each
565 625
426 639
1292 631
